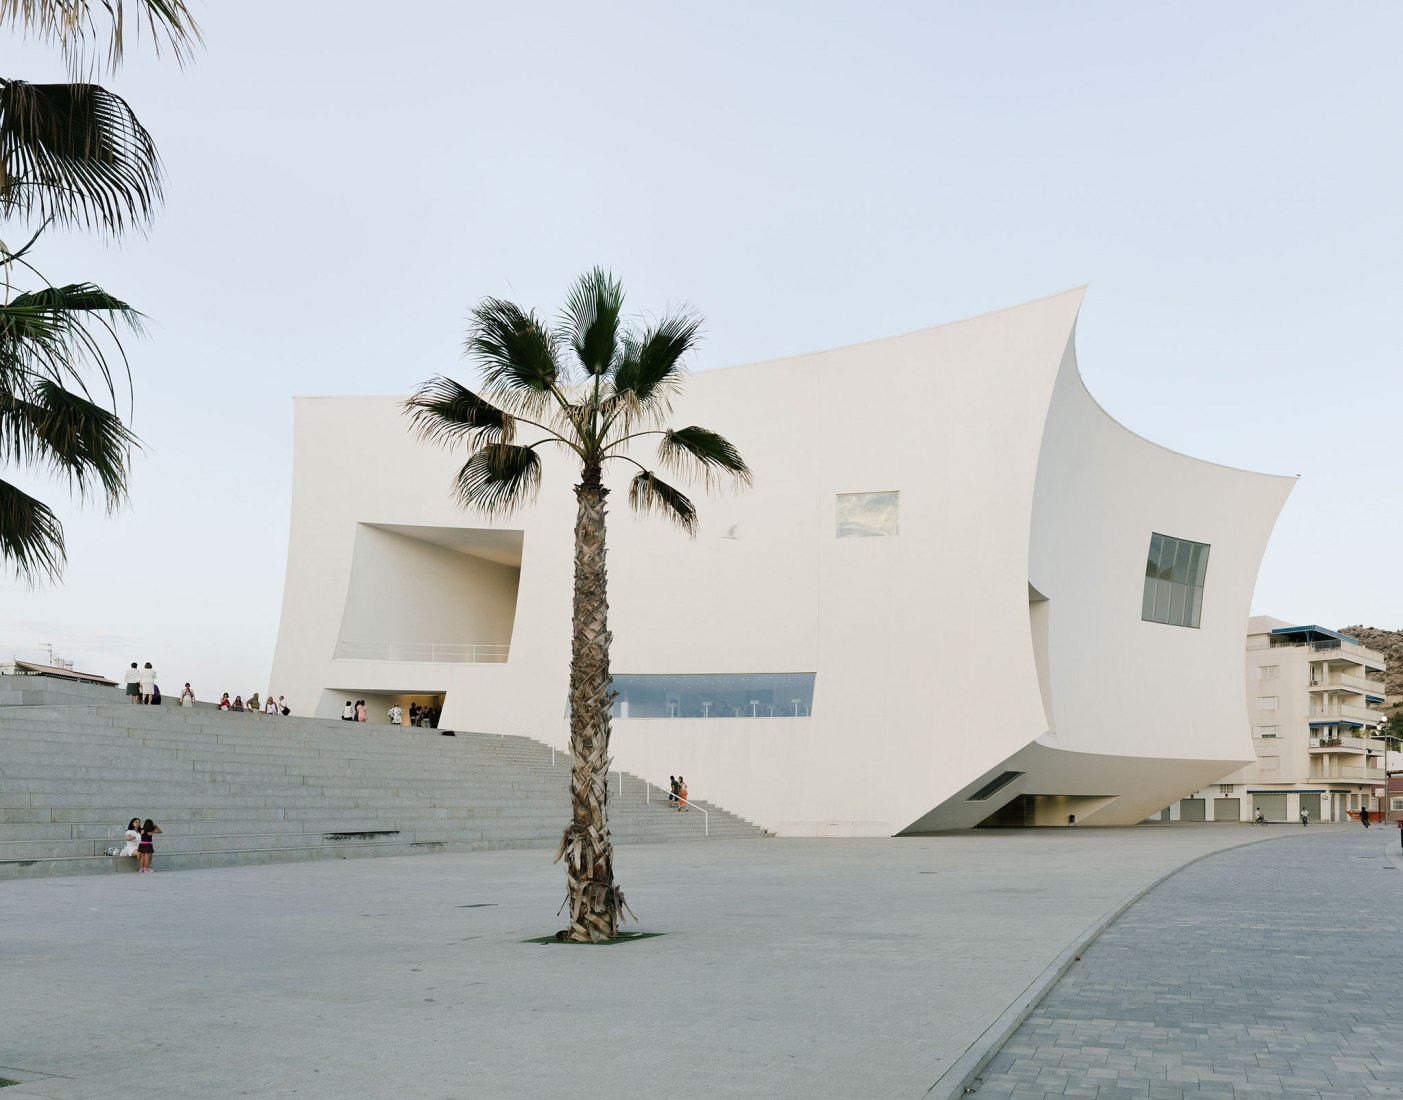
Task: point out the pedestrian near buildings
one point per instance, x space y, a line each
148 682
1305 817
187 695
1364 816
133 684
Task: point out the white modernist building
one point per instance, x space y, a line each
932 611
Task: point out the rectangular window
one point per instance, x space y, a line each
714 695
1268 732
866 515
1267 702
1270 672
1395 803
1175 571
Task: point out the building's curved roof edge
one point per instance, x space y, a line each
1081 381
1079 291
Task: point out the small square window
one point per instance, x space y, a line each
866 515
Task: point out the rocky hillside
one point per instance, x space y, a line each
1390 644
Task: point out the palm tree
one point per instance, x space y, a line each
595 387
70 154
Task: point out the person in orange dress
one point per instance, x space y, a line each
682 803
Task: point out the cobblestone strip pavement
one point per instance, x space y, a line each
1274 970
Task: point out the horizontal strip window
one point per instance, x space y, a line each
1175 572
993 787
714 695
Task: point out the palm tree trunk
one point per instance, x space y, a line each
595 903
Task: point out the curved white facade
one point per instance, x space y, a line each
999 630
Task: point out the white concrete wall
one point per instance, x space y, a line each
925 646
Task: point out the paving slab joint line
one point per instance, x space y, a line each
956 1081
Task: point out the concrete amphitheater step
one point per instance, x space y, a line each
230 789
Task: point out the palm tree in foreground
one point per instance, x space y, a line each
597 388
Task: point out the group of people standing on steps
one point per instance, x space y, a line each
141 685
139 844
677 800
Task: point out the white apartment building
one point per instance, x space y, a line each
1311 694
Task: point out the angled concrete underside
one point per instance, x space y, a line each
998 630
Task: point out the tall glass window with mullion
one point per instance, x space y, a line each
1175 572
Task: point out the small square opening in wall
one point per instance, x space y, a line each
866 515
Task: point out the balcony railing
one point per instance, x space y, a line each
1345 710
1350 773
1338 744
1328 649
425 652
1346 682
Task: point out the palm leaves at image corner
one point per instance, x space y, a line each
71 154
597 388
50 342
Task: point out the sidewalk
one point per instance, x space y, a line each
1268 971
789 968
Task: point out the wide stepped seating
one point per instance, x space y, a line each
230 788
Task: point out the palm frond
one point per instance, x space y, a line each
72 25
77 154
443 411
31 537
647 494
592 320
498 478
651 366
70 434
693 449
49 332
517 352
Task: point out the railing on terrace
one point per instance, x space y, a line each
1325 648
429 652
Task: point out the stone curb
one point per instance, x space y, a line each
957 1081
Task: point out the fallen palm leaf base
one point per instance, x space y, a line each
627 937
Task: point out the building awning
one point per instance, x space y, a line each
29 668
1337 722
1315 633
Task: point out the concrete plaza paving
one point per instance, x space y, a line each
1268 971
788 968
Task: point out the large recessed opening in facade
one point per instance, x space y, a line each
431 594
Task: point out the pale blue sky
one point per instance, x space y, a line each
1226 178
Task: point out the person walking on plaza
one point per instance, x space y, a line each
1364 815
148 682
672 792
187 695
682 803
133 684
145 850
254 705
361 715
396 713
348 712
1305 817
283 708
270 707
